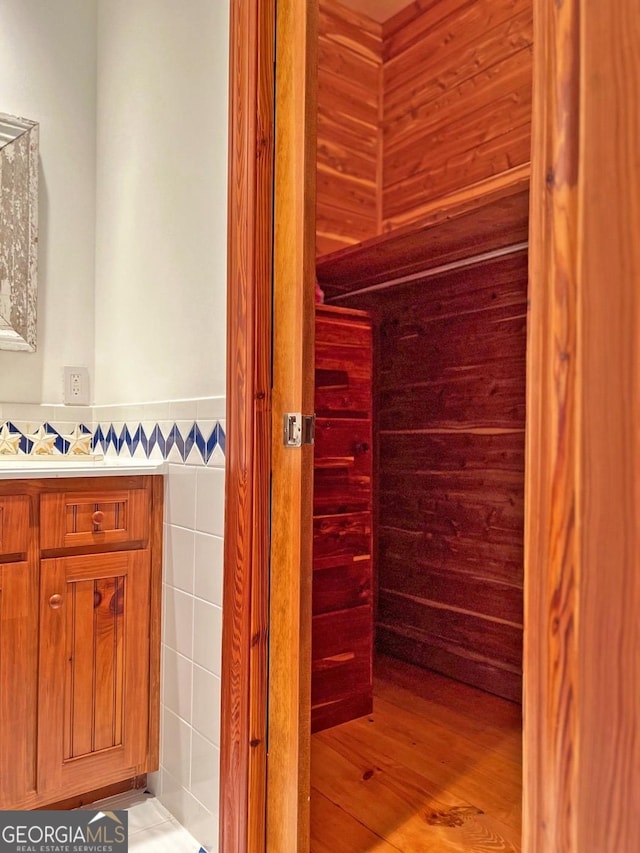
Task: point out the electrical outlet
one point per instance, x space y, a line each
76 386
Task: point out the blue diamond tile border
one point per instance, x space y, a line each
136 436
132 436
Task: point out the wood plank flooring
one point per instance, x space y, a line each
435 769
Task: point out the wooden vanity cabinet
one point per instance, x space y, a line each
79 636
342 624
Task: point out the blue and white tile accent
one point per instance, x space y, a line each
173 443
45 439
195 443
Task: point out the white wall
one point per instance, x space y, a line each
48 74
132 100
161 199
159 275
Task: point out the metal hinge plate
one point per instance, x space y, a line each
299 429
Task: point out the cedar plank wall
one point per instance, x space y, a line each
435 101
457 100
450 350
450 400
349 78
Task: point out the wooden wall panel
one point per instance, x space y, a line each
457 100
349 73
450 400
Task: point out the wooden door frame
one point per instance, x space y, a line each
243 735
583 429
582 523
268 516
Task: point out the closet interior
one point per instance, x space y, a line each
424 131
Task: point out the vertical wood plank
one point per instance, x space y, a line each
609 339
133 598
291 544
82 708
248 449
69 669
380 150
551 545
582 550
119 674
53 713
108 617
260 539
155 621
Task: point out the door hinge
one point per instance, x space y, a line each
298 429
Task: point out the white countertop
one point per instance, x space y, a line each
33 467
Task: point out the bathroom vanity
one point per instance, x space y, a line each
80 605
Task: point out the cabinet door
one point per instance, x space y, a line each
18 662
94 670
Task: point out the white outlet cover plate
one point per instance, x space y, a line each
76 386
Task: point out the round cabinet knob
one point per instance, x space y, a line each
97 517
55 602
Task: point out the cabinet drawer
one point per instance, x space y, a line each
342 466
342 381
341 654
343 586
338 539
336 330
105 518
14 524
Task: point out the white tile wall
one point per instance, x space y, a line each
179 560
181 496
207 582
178 630
176 749
178 675
210 500
207 635
206 697
191 813
204 756
188 782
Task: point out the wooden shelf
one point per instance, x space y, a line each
486 218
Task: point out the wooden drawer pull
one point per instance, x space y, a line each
97 518
55 602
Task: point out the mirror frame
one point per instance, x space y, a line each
18 233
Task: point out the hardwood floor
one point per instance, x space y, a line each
435 769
